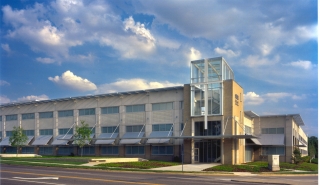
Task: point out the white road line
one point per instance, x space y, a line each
37 182
40 178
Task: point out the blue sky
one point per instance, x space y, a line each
57 49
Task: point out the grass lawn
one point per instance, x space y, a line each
139 165
260 166
48 159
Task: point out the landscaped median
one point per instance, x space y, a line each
80 162
261 166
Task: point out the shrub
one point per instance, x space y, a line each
315 161
296 156
306 159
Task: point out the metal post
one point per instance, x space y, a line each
182 154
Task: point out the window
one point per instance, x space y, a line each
280 130
162 150
85 112
87 150
11 117
1 134
0 118
181 106
11 150
29 132
110 150
8 133
45 150
65 150
46 115
28 116
272 150
110 110
162 127
214 128
248 130
162 106
112 129
135 128
46 132
63 131
272 130
135 108
27 150
134 150
65 113
93 130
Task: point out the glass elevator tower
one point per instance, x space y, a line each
207 76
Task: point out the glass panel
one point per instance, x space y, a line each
264 131
141 149
280 130
11 117
272 130
46 115
155 128
65 113
28 116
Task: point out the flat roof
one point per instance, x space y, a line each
91 96
296 117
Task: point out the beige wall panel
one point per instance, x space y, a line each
109 101
186 111
86 103
66 105
28 124
10 124
133 118
45 107
228 151
166 96
65 122
135 99
165 116
8 111
89 119
109 119
47 123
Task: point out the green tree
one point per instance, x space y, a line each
82 135
18 138
296 156
313 146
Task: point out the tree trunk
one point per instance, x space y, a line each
17 151
81 151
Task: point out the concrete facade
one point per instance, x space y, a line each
233 129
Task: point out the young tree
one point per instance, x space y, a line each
296 156
82 135
18 138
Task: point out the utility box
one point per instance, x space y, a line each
273 162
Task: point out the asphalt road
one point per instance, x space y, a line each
17 175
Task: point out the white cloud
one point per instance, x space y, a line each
226 52
301 64
45 60
194 54
6 47
3 83
123 85
295 106
138 29
4 99
276 96
251 98
71 81
253 61
33 98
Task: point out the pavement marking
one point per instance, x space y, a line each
83 178
40 178
36 182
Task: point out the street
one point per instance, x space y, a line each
14 174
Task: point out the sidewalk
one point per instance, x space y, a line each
188 167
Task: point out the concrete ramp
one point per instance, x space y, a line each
20 155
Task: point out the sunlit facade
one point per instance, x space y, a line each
200 122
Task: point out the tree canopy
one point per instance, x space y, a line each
313 146
82 135
18 138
